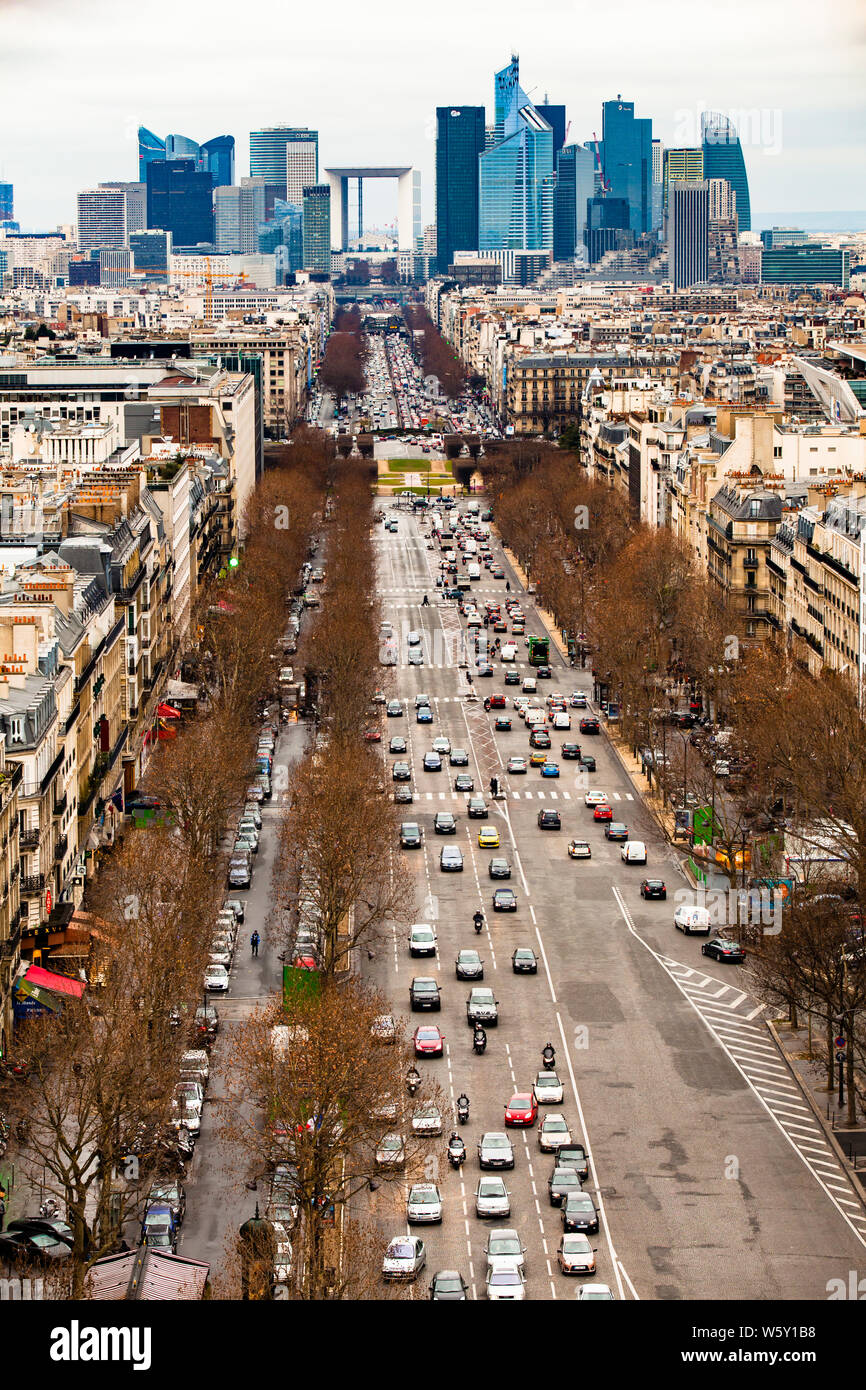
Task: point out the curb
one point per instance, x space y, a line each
856 1178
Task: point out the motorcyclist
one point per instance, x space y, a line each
478 920
463 1103
454 1141
548 1056
479 1037
413 1078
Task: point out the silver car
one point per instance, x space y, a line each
391 1152
553 1132
548 1088
492 1198
495 1150
504 1285
504 1249
404 1259
424 1204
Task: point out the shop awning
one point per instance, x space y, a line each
50 980
167 711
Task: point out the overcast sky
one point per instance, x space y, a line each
76 80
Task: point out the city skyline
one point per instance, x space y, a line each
801 142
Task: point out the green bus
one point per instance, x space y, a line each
539 651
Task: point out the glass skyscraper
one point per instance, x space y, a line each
7 211
317 227
515 176
272 159
555 117
216 156
459 142
575 185
180 201
688 232
627 160
723 159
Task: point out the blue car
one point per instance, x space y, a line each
550 770
424 715
159 1228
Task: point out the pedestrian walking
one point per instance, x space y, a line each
254 943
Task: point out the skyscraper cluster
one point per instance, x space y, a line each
516 188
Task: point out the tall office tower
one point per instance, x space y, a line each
460 139
180 201
150 252
7 209
238 212
658 150
217 157
136 204
658 155
317 227
269 158
302 168
182 147
114 264
607 226
688 232
292 221
101 218
150 147
417 221
626 157
555 117
723 159
515 178
723 200
429 246
681 165
575 186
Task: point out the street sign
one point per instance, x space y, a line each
839 1041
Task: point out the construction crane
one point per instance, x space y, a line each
605 186
565 137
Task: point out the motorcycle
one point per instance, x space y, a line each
49 1209
463 1110
479 1042
413 1081
456 1153
478 923
548 1058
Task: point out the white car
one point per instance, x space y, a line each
216 979
508 651
404 1259
553 1132
505 1285
693 921
634 852
391 1152
504 1249
427 1120
492 1198
530 685
594 798
561 720
601 1292
422 940
548 1088
424 1204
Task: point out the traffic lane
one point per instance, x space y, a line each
691 1156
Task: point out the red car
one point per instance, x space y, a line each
373 735
602 812
428 1041
497 702
522 1109
304 963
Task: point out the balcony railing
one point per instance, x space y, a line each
32 883
9 947
60 849
29 839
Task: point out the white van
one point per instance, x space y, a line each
470 546
693 921
473 508
473 571
508 651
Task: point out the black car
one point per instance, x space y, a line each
589 726
722 949
401 772
572 750
562 1182
504 900
458 757
424 993
432 762
444 823
549 820
587 761
539 738
469 965
543 673
513 677
653 888
579 1213
34 1241
448 1286
397 745
477 808
410 835
499 868
574 1156
464 783
403 794
205 1025
524 961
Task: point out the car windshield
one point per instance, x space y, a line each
423 1198
490 1189
557 1126
502 1277
495 1141
401 1250
504 1245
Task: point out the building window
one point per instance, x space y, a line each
16 729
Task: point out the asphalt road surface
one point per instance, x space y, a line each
711 1176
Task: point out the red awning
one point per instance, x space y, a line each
58 984
168 712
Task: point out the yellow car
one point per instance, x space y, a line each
488 837
538 758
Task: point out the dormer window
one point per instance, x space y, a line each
16 729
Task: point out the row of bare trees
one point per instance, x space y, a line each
438 358
97 1099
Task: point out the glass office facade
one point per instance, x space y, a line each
317 227
575 185
218 158
806 265
7 210
180 201
723 159
627 160
459 142
516 178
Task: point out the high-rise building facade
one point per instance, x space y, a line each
180 201
114 265
626 155
269 158
317 227
216 156
7 203
150 251
239 210
658 172
688 232
516 176
302 168
459 142
608 226
554 114
684 164
723 200
136 204
783 236
806 265
101 218
150 147
723 159
575 186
